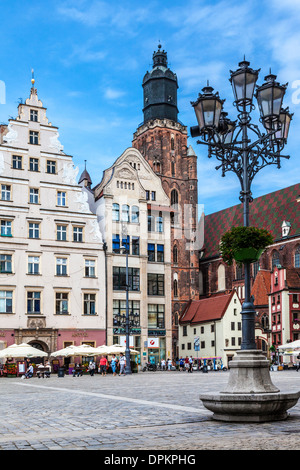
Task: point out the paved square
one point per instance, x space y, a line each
151 410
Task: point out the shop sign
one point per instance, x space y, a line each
153 342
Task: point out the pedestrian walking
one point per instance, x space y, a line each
181 364
113 364
186 364
169 364
122 364
163 364
103 365
190 364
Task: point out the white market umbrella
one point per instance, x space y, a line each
290 346
22 350
82 350
118 349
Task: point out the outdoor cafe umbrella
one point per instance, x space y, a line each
72 350
114 349
290 346
22 350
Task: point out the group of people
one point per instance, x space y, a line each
186 364
114 363
42 370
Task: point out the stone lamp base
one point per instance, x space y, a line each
250 395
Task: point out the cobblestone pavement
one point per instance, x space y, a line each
156 411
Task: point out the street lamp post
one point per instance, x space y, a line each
230 142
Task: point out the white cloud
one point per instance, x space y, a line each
113 94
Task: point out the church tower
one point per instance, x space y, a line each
162 140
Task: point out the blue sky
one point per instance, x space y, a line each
89 59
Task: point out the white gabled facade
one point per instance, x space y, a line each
131 198
52 285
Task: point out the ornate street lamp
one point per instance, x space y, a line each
250 395
127 326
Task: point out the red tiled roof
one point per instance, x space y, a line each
267 211
293 278
261 287
210 308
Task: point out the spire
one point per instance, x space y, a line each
32 78
85 177
160 58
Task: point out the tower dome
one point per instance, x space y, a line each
160 89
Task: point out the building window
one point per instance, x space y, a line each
126 244
5 264
33 264
119 278
151 221
51 167
5 192
153 195
34 230
61 267
119 312
33 137
135 245
125 213
61 303
156 316
6 228
116 243
33 164
17 162
160 223
156 284
33 302
89 304
77 234
275 260
6 301
33 196
116 212
33 115
135 214
297 257
151 252
90 265
61 198
175 287
160 253
174 197
61 232
184 330
175 254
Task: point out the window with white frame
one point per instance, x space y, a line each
5 192
34 230
33 195
62 303
116 212
33 264
6 301
33 164
61 267
17 162
33 137
33 115
51 167
34 302
61 232
90 265
77 234
89 304
6 228
61 198
5 263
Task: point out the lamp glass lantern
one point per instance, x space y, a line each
208 108
269 98
243 83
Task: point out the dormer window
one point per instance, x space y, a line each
33 115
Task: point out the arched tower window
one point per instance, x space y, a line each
175 254
174 197
275 259
221 277
297 257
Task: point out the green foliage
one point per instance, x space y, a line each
243 237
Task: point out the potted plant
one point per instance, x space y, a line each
11 370
244 244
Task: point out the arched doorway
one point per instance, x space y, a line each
41 347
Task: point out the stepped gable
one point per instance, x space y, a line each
268 211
